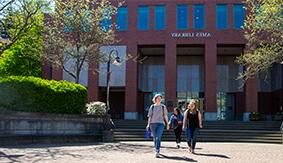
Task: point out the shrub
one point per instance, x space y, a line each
34 94
96 108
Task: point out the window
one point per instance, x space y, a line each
221 16
143 18
199 16
85 21
106 20
68 23
182 16
239 16
160 17
122 19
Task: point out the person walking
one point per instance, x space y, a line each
191 124
176 122
157 120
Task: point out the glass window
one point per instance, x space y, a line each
68 26
143 18
152 75
85 21
106 20
239 16
160 17
199 16
221 16
182 16
122 19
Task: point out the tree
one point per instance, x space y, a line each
17 17
264 34
24 57
76 31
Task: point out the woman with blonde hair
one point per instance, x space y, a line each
157 119
191 124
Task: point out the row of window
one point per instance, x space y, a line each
181 17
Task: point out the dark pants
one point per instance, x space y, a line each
191 134
178 133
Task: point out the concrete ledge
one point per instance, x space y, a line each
246 116
9 140
210 116
21 127
131 115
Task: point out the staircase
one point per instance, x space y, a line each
216 131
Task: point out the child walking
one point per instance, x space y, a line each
176 122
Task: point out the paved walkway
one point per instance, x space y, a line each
142 152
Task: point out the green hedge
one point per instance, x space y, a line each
32 94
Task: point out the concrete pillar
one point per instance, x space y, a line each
170 75
131 94
131 89
210 81
57 73
93 82
251 98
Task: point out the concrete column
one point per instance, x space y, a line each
131 94
170 75
251 98
131 88
210 81
93 82
57 73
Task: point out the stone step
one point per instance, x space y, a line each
207 130
209 140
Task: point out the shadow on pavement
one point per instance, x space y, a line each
212 155
177 158
125 147
12 158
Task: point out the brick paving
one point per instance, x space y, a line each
142 152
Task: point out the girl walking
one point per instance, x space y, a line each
176 122
192 122
157 119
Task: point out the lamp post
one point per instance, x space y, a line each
116 60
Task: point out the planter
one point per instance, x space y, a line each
278 116
255 116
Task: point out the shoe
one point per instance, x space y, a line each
190 149
178 146
193 151
157 155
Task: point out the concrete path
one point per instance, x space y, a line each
142 152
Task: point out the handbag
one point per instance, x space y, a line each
147 133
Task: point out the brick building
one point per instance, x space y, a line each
187 48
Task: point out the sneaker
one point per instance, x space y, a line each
157 155
190 149
178 146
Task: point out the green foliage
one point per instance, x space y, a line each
25 56
264 34
32 94
18 18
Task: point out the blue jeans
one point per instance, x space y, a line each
191 134
157 130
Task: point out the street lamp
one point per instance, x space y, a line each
112 57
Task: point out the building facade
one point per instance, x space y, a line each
183 50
